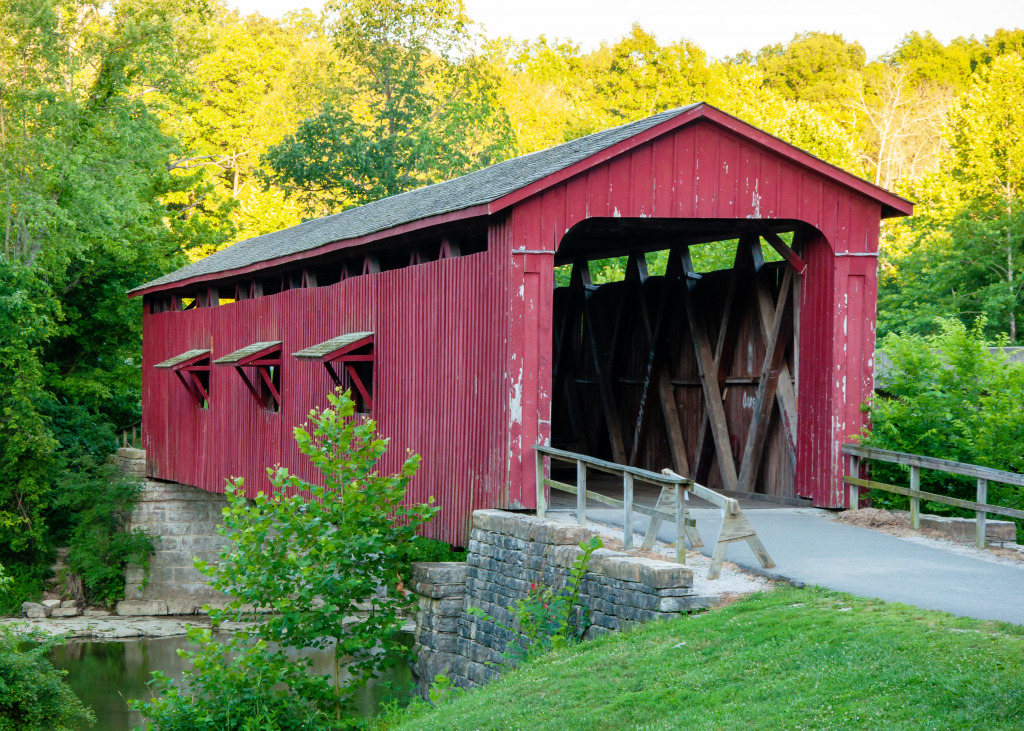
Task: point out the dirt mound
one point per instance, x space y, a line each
874 518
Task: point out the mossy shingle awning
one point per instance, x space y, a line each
332 346
183 358
248 352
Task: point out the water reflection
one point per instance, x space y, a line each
106 675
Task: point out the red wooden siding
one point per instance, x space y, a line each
439 338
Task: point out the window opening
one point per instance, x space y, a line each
349 360
263 381
193 370
371 264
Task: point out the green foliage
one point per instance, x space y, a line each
813 67
239 685
782 659
961 256
421 108
316 560
429 550
946 395
91 205
102 546
33 694
549 618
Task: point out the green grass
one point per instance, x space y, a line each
791 658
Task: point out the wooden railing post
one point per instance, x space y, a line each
915 503
627 511
542 503
581 492
680 525
854 490
982 498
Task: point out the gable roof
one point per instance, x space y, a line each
479 189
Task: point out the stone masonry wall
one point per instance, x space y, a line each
507 552
184 522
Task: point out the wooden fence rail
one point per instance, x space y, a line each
673 484
671 505
916 463
124 440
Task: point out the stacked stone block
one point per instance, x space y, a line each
441 589
131 462
184 522
506 553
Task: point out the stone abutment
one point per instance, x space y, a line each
508 552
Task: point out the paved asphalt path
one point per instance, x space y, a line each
810 548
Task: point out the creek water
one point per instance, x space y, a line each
106 675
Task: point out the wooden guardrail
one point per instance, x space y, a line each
916 463
671 505
122 435
627 473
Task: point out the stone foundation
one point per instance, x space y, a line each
183 521
507 552
131 462
996 531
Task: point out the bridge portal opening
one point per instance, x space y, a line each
683 351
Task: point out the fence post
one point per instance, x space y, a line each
915 502
581 492
541 495
627 510
680 526
982 498
854 489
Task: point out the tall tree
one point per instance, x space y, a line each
813 67
422 106
258 79
962 254
90 206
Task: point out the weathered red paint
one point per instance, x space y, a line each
463 346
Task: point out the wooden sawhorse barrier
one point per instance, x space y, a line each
735 527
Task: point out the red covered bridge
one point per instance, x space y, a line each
438 307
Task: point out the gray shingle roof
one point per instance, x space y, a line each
483 186
315 352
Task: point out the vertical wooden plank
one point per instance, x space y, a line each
765 395
581 493
680 525
542 502
982 498
915 503
854 490
627 511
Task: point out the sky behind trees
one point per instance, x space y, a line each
721 29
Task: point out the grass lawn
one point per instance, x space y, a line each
790 658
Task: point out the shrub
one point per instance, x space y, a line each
948 396
311 565
33 694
